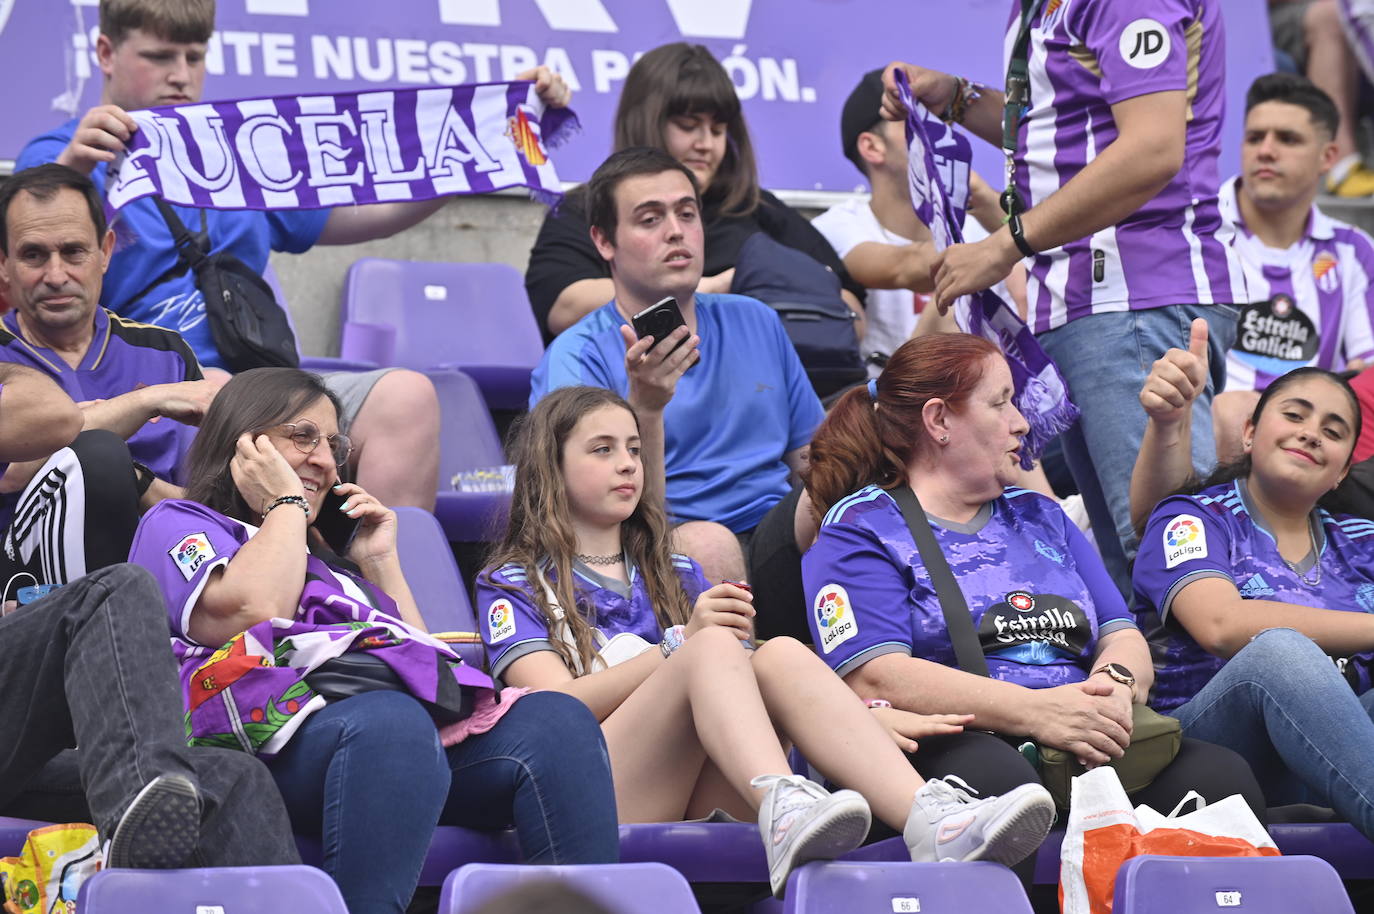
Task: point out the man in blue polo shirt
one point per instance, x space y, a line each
136 383
737 422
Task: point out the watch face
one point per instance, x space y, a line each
1120 673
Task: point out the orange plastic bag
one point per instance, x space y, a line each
1104 831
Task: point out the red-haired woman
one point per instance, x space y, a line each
1065 658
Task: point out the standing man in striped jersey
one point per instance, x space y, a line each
1113 152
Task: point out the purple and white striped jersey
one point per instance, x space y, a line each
1311 304
1085 56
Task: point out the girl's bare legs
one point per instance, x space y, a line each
703 702
833 729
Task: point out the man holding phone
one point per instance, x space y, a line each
726 388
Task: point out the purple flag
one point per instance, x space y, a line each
937 170
313 151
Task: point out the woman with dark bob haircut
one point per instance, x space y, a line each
271 627
677 98
1065 659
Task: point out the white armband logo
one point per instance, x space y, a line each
1184 539
834 617
500 620
1144 44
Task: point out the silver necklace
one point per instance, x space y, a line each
615 558
1316 561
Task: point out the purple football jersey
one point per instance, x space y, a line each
1084 57
1038 593
512 625
1309 304
1216 534
123 356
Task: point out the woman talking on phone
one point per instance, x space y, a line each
271 628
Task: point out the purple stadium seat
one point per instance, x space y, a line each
931 888
474 317
622 888
13 832
299 889
467 440
315 363
1207 885
434 578
1338 843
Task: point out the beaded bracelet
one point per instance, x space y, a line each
965 94
289 500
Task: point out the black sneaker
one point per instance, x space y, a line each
160 827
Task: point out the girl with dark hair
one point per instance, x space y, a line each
1065 659
584 597
1257 602
680 99
271 628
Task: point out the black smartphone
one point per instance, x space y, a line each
658 321
334 526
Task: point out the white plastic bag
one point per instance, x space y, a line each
1104 831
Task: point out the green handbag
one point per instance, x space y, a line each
1155 740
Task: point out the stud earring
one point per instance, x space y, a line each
944 439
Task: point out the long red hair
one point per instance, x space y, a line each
858 445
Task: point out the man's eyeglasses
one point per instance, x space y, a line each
306 437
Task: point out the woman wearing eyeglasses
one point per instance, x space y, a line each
269 626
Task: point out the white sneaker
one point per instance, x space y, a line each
947 823
800 820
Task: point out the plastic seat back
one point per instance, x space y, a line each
298 889
622 888
931 888
1250 885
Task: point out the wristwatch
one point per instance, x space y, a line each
1118 673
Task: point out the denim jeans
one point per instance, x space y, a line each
1282 705
90 664
367 775
1105 359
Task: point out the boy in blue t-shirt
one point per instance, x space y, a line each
733 428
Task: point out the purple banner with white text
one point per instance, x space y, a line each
313 151
793 62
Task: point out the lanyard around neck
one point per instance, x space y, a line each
1017 100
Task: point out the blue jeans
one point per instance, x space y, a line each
1105 359
1282 705
367 775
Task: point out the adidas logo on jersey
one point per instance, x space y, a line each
1255 588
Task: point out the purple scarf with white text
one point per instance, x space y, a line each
937 170
315 151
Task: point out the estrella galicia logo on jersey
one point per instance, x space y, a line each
1184 539
1325 273
1256 588
834 617
1364 595
1049 552
1035 628
500 620
1144 44
193 551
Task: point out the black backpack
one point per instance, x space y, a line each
806 295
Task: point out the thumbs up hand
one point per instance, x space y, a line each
1177 378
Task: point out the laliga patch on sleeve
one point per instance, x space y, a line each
1144 44
500 620
192 552
834 617
1185 539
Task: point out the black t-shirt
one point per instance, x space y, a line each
563 253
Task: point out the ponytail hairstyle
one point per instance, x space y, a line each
867 440
540 538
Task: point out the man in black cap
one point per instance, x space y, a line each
881 241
